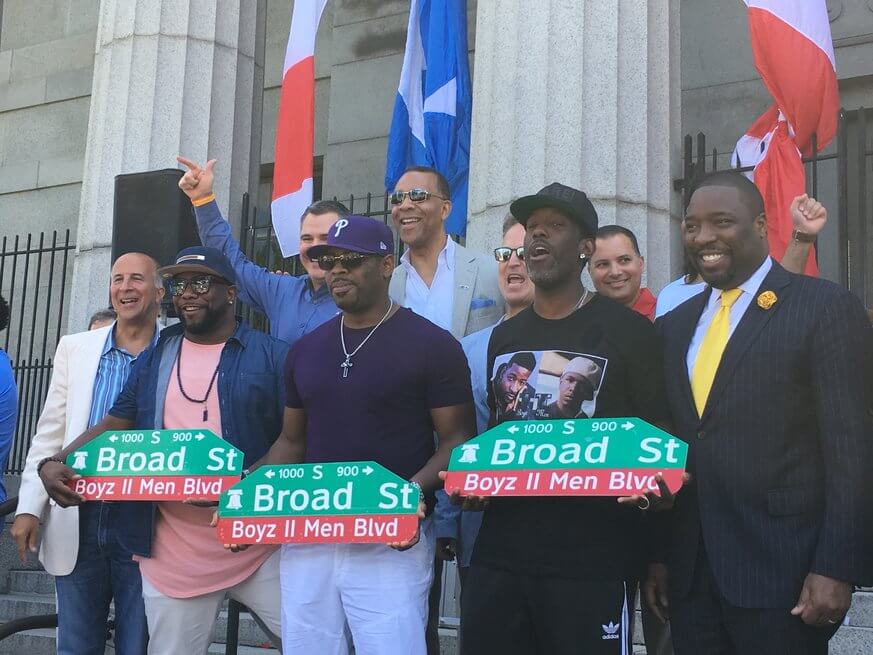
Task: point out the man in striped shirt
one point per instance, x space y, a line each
80 545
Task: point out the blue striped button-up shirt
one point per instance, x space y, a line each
112 373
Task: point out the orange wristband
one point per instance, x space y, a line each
203 201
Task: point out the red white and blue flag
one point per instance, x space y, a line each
794 54
295 127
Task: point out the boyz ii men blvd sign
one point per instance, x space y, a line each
345 502
155 465
575 457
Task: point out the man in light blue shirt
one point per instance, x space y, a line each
456 530
294 305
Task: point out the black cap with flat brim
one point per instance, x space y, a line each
200 259
567 200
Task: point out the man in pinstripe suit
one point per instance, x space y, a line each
769 381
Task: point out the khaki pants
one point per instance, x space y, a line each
184 625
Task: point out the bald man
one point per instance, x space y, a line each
81 546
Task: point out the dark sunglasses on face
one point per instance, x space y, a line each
350 261
415 195
503 254
199 285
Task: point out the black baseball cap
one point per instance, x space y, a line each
572 202
200 259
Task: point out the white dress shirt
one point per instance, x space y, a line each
748 288
435 302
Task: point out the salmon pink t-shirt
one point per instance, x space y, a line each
187 557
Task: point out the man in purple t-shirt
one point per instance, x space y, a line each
374 383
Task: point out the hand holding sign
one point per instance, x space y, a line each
468 502
57 478
188 465
342 502
406 544
624 457
654 501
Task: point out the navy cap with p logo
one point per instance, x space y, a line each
360 234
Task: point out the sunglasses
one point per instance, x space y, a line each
415 195
199 285
349 262
503 254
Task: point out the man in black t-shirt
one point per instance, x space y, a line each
548 573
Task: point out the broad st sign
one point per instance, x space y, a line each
577 457
345 502
155 465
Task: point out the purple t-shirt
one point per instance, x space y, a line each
381 411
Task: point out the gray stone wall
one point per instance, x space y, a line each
46 67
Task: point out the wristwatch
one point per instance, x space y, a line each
802 237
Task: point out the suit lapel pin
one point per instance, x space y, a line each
766 299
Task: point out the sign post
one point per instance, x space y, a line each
343 502
576 457
155 465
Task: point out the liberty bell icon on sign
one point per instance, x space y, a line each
79 461
234 501
468 456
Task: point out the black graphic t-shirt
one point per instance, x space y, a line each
603 360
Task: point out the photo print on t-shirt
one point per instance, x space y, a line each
546 384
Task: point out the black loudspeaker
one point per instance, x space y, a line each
152 215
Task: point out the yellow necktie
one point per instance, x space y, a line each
711 349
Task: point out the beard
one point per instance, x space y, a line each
211 319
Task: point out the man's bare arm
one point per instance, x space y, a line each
453 425
809 217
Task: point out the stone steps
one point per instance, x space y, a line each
32 592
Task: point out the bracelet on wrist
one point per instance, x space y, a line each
420 490
802 237
46 460
203 201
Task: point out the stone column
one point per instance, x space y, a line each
583 92
169 78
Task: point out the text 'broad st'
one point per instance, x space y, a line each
345 502
155 465
577 457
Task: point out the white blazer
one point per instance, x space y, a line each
64 417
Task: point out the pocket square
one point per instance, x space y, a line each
481 303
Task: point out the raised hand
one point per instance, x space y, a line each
197 182
808 215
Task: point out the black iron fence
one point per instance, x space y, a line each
838 177
33 279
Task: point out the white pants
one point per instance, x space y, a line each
374 592
184 625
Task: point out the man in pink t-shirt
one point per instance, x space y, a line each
211 372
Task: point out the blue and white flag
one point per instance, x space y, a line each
431 122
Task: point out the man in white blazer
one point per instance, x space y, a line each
446 283
79 545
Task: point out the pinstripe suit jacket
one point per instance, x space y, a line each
782 456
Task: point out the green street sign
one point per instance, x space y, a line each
155 465
575 457
342 502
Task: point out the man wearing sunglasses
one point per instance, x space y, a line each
374 383
437 278
294 305
209 372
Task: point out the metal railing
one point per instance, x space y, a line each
33 279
